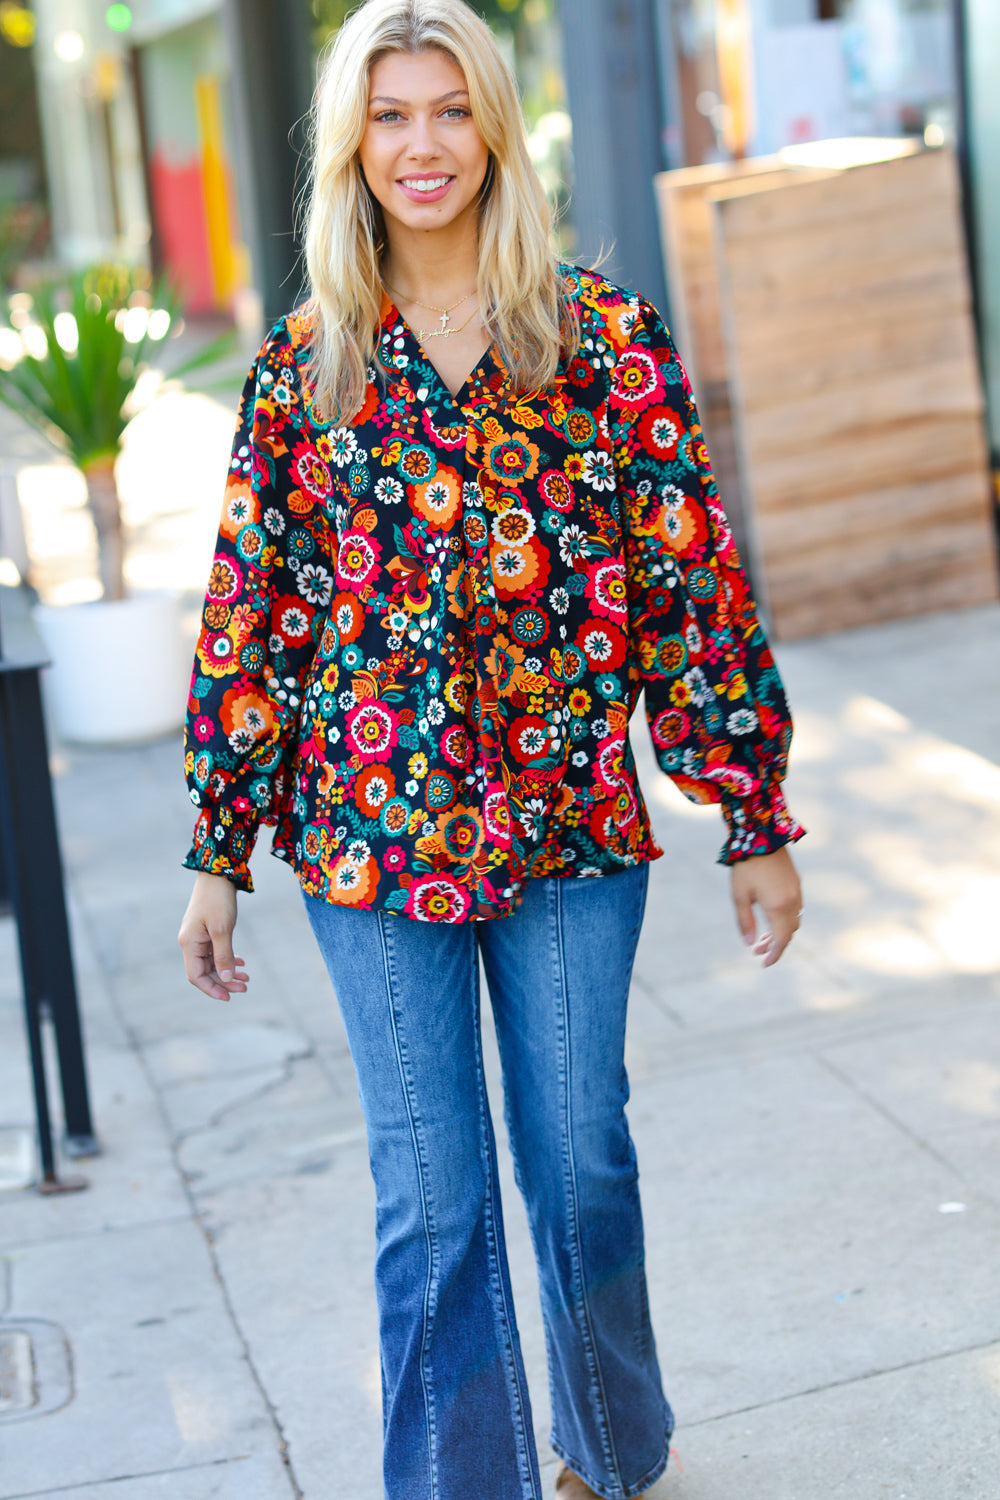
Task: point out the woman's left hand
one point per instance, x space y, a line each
770 882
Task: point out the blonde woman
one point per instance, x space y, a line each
469 518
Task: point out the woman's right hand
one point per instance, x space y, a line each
206 938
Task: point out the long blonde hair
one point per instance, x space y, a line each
525 305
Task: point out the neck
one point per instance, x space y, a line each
432 268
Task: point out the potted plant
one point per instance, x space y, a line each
119 669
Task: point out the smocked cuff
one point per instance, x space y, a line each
208 861
758 824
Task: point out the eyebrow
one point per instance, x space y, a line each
386 99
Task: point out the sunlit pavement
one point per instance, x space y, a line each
819 1143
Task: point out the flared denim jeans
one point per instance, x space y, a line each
456 1412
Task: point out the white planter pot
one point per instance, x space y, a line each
120 668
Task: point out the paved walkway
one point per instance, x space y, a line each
819 1144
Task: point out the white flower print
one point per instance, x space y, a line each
598 470
697 685
573 543
743 721
343 447
315 583
389 491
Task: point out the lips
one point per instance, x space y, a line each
425 189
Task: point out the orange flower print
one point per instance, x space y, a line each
519 570
240 508
246 716
225 580
354 884
439 500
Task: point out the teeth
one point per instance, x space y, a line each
426 185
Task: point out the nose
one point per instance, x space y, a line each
421 144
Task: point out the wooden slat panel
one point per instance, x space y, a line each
882 188
847 407
938 587
878 458
873 514
856 395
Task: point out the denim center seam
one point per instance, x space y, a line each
428 1320
643 1332
576 1246
495 1240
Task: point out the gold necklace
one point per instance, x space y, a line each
429 306
443 332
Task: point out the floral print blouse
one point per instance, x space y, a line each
425 632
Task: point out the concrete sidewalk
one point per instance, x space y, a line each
819 1144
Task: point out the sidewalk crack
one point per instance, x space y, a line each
196 1215
835 1385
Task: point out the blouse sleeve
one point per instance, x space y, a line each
714 700
259 625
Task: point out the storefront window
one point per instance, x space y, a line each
753 76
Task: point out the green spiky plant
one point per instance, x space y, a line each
75 389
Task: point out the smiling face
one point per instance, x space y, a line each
422 155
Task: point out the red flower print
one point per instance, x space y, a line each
669 728
529 738
374 786
606 589
608 763
603 644
347 616
455 746
310 470
496 815
437 898
291 618
519 570
636 379
372 729
357 558
394 858
660 431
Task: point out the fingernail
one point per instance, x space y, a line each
226 974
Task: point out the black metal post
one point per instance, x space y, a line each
34 870
612 78
270 44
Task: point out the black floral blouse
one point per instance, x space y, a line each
425 632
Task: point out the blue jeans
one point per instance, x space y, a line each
457 1418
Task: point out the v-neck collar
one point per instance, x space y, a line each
420 373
